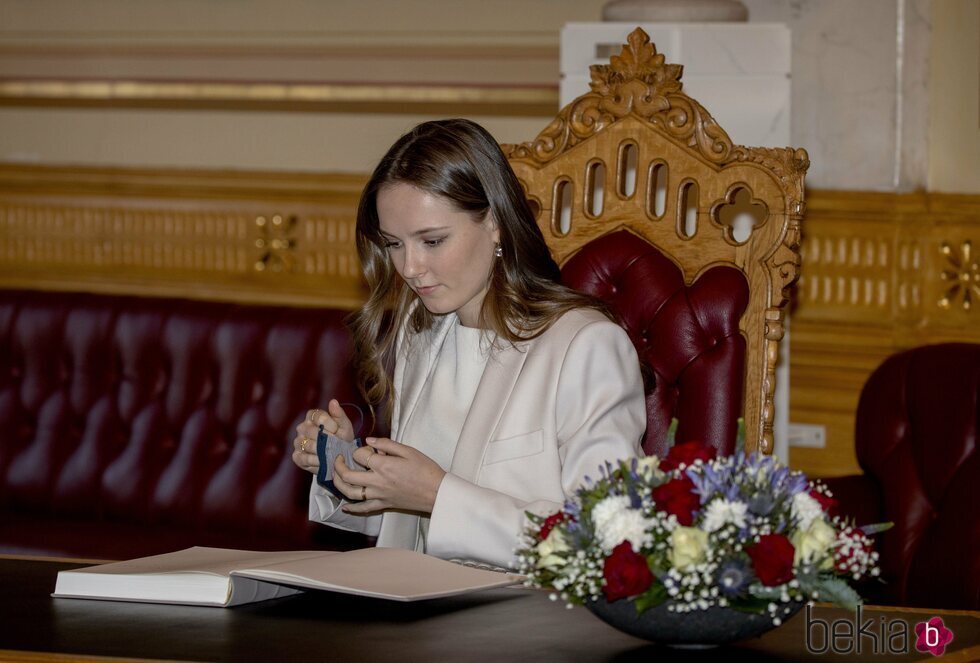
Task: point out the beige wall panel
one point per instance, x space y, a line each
954 149
329 142
309 20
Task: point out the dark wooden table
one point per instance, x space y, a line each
499 625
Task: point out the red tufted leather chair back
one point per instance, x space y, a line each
158 423
631 184
916 434
687 335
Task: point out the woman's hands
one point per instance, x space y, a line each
334 421
398 477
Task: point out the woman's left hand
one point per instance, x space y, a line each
398 477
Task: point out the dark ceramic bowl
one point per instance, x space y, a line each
701 628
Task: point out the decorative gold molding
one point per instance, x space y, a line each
344 45
962 271
531 100
191 234
887 260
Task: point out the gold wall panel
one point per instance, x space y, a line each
251 237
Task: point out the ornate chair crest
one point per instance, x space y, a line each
635 185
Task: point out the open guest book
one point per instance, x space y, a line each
221 577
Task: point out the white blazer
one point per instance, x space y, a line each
547 414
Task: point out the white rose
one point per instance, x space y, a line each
549 549
687 546
813 543
648 467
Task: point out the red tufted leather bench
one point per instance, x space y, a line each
131 426
688 335
916 436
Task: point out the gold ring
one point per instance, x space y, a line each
302 445
363 493
314 415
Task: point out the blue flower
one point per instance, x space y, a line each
633 465
761 504
797 483
714 479
636 502
734 577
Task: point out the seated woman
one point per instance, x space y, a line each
507 387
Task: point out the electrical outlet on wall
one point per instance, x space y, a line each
812 436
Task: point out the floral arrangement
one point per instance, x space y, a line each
741 531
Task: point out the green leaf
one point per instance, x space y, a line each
535 518
839 592
768 593
808 574
651 598
877 528
808 583
671 432
740 435
751 605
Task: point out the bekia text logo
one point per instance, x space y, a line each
881 636
932 636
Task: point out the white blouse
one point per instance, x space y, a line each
445 400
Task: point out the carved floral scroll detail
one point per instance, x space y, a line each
784 263
637 82
787 163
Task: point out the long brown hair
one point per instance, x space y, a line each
459 161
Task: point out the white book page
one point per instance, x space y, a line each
391 573
220 561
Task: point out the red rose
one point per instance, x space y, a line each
550 522
626 572
677 497
827 503
687 453
772 559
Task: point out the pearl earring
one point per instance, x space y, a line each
499 251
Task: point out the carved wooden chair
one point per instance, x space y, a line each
641 197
